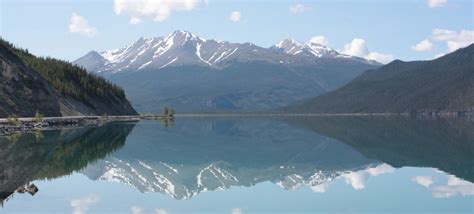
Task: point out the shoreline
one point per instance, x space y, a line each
30 124
285 114
428 114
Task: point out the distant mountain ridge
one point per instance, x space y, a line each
294 47
193 74
442 85
185 48
29 84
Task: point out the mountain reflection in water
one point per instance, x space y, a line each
194 155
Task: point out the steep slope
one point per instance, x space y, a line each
23 91
442 85
54 87
193 74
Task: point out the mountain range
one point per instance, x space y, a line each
30 84
442 85
193 74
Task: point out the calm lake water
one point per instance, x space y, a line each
243 165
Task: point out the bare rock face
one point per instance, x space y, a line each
22 90
25 91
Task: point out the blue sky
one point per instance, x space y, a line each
381 30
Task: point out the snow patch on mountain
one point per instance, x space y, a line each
185 48
198 53
294 47
169 63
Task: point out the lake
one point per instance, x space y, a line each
243 165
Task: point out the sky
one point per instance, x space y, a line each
373 29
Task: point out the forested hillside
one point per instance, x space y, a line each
54 87
443 85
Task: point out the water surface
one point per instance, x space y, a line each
243 165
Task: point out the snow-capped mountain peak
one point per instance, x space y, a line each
294 47
178 48
183 48
290 46
184 36
321 50
289 42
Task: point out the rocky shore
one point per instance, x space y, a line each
30 124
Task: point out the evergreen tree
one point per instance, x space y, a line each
69 79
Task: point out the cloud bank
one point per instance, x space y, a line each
358 47
157 10
454 186
454 40
322 40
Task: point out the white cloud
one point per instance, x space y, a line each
299 8
322 40
359 178
161 211
236 211
358 48
454 40
136 210
235 16
135 20
80 25
436 3
424 45
356 179
380 170
443 34
157 10
321 188
453 187
380 57
425 181
81 205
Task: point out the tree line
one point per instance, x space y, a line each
69 79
